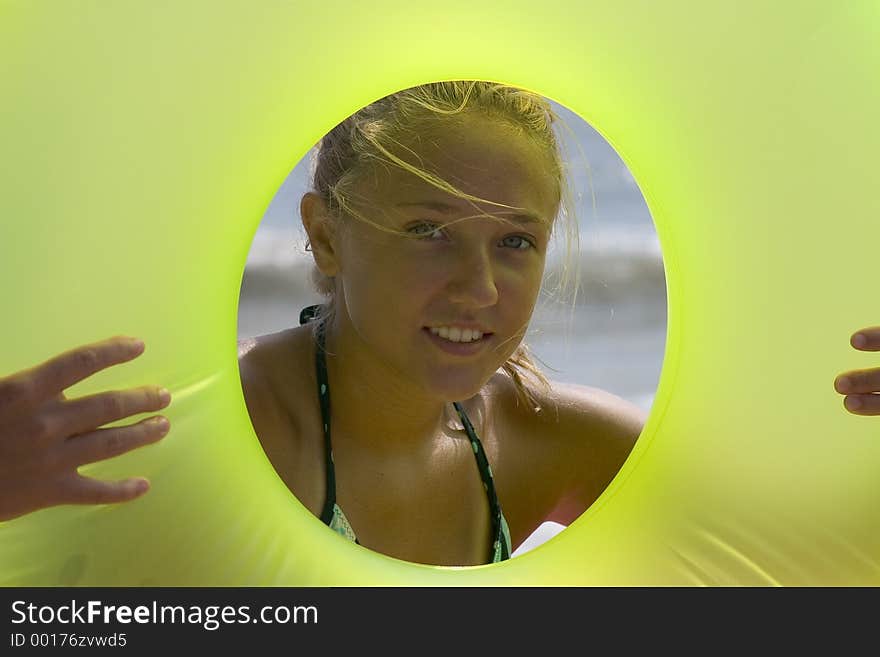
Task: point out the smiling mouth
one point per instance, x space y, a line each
456 335
458 348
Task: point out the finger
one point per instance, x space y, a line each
49 379
83 490
86 413
866 339
858 382
106 443
862 404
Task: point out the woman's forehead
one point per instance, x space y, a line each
484 159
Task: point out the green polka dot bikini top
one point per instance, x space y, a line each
332 515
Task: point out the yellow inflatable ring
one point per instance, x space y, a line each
142 145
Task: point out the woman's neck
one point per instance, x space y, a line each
373 403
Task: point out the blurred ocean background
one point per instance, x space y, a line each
613 337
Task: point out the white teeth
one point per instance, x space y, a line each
455 334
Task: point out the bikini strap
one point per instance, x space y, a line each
307 315
500 549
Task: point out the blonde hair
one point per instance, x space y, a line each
368 138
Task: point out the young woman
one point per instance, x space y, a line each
405 411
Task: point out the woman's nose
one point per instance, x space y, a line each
472 282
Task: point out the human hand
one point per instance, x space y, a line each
45 437
861 387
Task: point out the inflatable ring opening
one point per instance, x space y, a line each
142 145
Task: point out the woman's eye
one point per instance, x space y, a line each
517 242
428 231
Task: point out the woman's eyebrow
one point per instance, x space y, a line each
439 206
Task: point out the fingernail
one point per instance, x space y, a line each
141 486
853 403
136 344
843 384
162 424
860 340
164 396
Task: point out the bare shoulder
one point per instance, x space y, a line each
579 439
252 365
245 346
577 408
256 384
265 382
570 410
277 377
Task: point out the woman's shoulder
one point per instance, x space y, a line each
567 410
274 375
255 357
574 444
268 356
277 378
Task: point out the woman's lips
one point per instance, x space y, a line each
458 348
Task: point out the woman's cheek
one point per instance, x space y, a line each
428 275
521 284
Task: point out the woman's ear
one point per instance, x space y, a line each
320 226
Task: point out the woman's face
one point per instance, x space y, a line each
478 273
